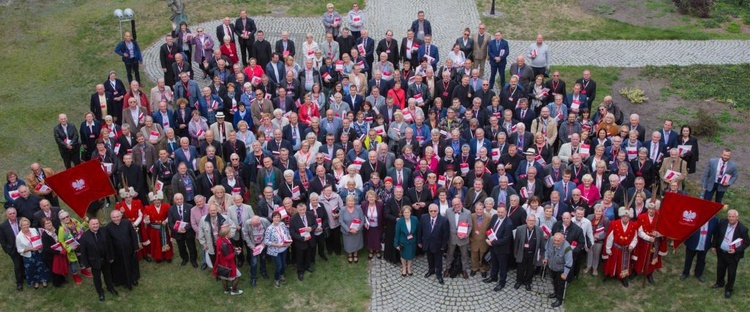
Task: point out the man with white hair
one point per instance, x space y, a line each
209 226
635 124
559 257
124 240
184 233
730 242
253 233
9 229
68 142
521 138
574 235
620 242
239 213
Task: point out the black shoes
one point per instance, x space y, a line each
428 274
701 279
204 266
195 264
499 287
683 276
19 287
473 273
625 282
253 282
300 277
183 263
324 257
489 280
310 269
264 275
441 281
650 278
517 286
552 295
557 303
114 292
727 294
101 297
716 286
528 287
484 274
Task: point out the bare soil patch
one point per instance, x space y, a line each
649 13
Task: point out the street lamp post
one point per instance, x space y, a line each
492 9
125 16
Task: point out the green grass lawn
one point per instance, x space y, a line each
55 51
567 20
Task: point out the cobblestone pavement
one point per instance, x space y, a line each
449 18
391 292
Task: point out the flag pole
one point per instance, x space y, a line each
652 245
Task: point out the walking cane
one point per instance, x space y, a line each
544 271
565 288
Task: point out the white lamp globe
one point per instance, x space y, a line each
118 14
128 13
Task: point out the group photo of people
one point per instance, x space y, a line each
271 157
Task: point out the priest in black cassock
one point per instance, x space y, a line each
124 239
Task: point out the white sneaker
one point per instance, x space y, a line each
238 292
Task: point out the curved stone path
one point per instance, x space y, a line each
391 292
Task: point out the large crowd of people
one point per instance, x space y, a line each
364 144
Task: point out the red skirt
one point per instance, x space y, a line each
60 264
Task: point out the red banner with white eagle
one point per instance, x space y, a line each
682 215
81 185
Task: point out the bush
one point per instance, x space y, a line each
634 95
700 8
706 124
604 9
734 27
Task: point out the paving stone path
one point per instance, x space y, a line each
391 292
449 18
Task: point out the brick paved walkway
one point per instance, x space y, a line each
391 292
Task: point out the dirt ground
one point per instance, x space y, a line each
649 13
655 110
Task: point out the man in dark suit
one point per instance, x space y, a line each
410 49
573 235
225 29
421 27
729 252
284 101
9 229
497 54
698 244
167 53
302 226
524 114
245 29
97 254
558 206
89 132
589 87
354 100
369 47
419 88
501 245
47 211
390 47
557 86
277 144
285 46
97 104
521 138
430 51
184 235
346 42
261 50
434 240
117 88
657 150
68 142
293 132
321 180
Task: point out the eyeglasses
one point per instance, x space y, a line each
555 75
200 31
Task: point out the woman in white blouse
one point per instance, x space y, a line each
29 245
353 175
309 47
457 56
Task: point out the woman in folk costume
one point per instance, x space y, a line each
155 220
621 241
132 209
651 245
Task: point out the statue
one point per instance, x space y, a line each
178 11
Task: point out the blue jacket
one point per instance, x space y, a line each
203 105
692 242
495 49
156 115
121 49
248 119
433 53
427 27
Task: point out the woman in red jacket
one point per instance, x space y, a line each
225 258
308 110
398 94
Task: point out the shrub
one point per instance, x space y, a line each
706 124
634 95
733 27
604 9
700 8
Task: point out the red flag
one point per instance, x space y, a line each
682 215
80 185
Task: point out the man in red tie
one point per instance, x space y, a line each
225 29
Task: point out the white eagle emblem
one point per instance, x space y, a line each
688 215
78 184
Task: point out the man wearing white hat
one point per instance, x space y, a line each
221 127
621 241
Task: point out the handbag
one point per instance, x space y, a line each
223 271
